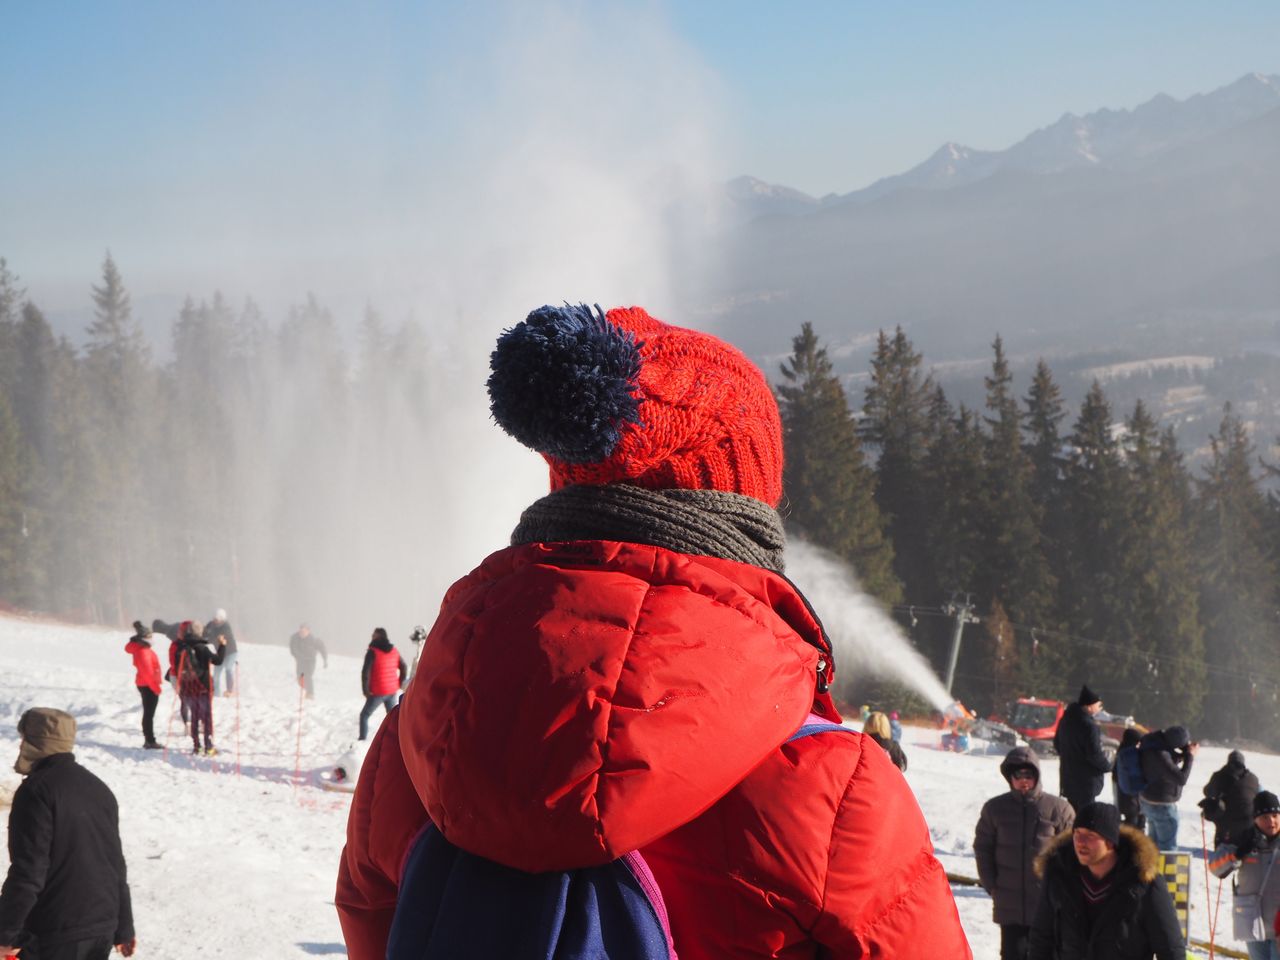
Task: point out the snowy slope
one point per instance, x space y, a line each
243 866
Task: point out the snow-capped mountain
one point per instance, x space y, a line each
1121 139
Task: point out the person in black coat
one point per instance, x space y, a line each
195 685
1103 896
1082 763
67 894
1166 764
1228 798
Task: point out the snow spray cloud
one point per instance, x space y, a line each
582 126
866 639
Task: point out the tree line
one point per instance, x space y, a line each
1088 547
262 469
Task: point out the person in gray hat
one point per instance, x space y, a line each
1255 852
1012 829
66 896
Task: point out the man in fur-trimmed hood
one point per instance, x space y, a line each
1103 896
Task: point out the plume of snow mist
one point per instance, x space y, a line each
865 638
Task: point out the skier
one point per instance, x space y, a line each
634 673
382 677
195 661
146 666
304 646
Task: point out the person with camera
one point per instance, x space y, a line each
1228 798
1166 757
382 677
1255 851
419 634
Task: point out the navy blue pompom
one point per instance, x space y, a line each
564 383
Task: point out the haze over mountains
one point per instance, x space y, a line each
1122 234
1104 221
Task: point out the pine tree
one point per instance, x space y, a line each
827 483
1096 496
1161 589
1014 573
117 378
1239 593
895 428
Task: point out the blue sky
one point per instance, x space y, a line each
237 139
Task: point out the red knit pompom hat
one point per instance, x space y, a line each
624 397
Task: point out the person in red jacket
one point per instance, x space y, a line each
147 669
635 673
381 677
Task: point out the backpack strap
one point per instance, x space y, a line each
814 724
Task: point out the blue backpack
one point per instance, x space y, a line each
453 904
1129 776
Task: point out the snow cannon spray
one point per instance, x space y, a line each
865 638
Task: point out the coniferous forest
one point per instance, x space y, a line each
1085 546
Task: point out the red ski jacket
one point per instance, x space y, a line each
384 672
146 663
576 701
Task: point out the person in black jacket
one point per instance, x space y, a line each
1082 763
1166 764
1103 896
66 896
1012 830
1228 798
1127 803
195 661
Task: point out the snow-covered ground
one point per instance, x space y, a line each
242 865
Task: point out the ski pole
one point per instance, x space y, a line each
236 668
1208 913
177 690
297 755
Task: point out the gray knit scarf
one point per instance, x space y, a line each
708 523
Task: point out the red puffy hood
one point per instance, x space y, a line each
576 701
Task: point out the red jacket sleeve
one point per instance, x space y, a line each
886 895
386 815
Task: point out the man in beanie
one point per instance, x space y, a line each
1104 897
1228 798
634 674
1082 763
1166 757
66 896
1255 852
1012 830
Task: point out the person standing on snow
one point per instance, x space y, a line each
1082 763
1012 830
195 661
1103 896
1128 804
1228 798
382 677
304 646
635 674
216 630
1166 764
878 729
1256 852
66 896
146 667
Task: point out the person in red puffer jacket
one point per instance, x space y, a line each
635 673
146 667
381 677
